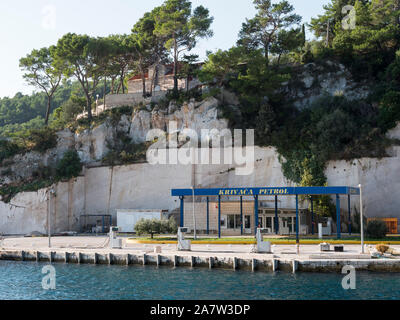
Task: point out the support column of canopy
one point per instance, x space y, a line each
297 220
349 210
338 223
208 215
312 216
241 216
182 211
219 217
255 214
276 216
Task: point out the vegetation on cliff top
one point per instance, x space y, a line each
269 53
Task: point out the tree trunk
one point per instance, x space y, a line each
144 85
122 82
112 85
153 80
266 55
175 66
104 94
89 106
279 59
46 122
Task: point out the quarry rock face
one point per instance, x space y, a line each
330 79
192 115
104 190
93 145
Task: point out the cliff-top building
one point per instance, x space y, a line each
160 78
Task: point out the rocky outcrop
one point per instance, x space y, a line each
313 81
92 145
193 115
104 190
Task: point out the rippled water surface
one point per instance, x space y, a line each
23 280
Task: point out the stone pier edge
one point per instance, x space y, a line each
213 261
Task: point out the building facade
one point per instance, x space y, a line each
231 222
159 78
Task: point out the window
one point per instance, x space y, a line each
260 222
238 221
268 222
234 221
247 222
231 221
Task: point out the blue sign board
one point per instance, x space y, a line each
248 192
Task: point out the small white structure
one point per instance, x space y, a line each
127 219
325 231
325 247
262 247
183 245
115 242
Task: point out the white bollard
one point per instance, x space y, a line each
157 249
320 234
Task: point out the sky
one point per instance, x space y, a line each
32 24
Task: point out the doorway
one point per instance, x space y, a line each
247 225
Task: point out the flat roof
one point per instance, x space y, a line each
267 191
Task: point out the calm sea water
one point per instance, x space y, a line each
22 280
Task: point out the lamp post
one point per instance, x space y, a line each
193 150
362 219
194 217
51 191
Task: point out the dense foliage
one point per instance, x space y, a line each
331 128
363 35
376 229
69 166
156 226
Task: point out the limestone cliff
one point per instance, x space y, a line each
93 145
102 189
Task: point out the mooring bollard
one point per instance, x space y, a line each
158 260
294 266
211 262
274 265
235 263
253 265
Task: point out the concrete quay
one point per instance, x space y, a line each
90 250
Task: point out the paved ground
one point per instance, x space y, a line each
100 245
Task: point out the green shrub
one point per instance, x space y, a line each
376 229
39 140
8 149
69 166
389 110
155 226
124 151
